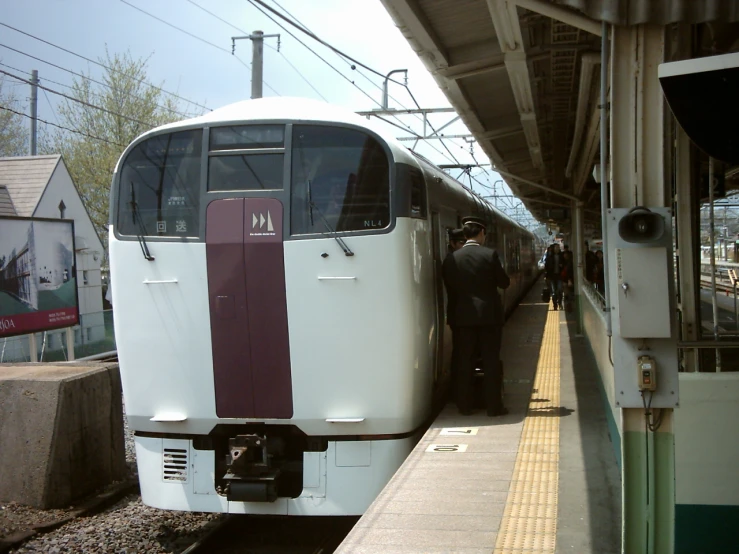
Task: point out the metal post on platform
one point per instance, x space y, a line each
712 238
736 313
32 348
70 344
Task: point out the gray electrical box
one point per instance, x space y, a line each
643 292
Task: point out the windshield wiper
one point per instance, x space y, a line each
342 244
142 227
312 205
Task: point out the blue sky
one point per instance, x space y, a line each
208 74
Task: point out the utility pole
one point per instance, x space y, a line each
257 62
34 109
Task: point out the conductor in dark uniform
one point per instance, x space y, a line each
472 276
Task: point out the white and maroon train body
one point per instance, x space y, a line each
278 305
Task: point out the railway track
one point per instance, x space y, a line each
253 534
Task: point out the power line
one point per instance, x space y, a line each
269 46
379 87
53 112
292 20
314 52
318 39
242 62
143 81
85 77
401 126
62 127
73 99
25 71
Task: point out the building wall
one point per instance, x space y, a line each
89 249
594 325
706 461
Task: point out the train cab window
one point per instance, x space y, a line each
246 157
247 137
340 181
159 187
245 172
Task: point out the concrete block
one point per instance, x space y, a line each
61 431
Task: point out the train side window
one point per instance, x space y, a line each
418 194
159 187
411 192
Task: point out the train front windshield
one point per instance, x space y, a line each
334 178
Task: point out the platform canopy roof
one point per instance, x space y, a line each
524 75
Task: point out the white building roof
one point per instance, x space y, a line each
25 178
6 203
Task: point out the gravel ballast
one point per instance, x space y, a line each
127 527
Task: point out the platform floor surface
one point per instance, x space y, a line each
542 479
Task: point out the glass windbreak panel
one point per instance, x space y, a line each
340 176
159 187
245 172
247 137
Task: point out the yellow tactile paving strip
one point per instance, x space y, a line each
529 524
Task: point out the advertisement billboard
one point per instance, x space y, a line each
38 279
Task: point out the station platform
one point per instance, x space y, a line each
543 478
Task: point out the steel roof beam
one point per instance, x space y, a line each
508 29
477 67
561 14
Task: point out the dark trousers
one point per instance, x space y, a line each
468 343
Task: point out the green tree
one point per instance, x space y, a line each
13 127
129 108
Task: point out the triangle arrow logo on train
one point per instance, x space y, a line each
254 220
269 222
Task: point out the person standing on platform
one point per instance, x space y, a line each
456 241
553 268
472 276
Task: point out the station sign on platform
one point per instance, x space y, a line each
38 284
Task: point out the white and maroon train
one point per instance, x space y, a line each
279 310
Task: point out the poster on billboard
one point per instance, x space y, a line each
38 280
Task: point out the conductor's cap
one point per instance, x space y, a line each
456 235
473 220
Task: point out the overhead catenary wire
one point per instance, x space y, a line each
401 126
318 39
142 81
246 33
165 22
63 127
359 71
86 78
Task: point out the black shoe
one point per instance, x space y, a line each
466 411
555 307
498 412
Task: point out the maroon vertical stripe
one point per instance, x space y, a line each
229 324
267 303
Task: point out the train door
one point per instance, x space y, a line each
441 223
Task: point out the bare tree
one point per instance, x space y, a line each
107 118
13 126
